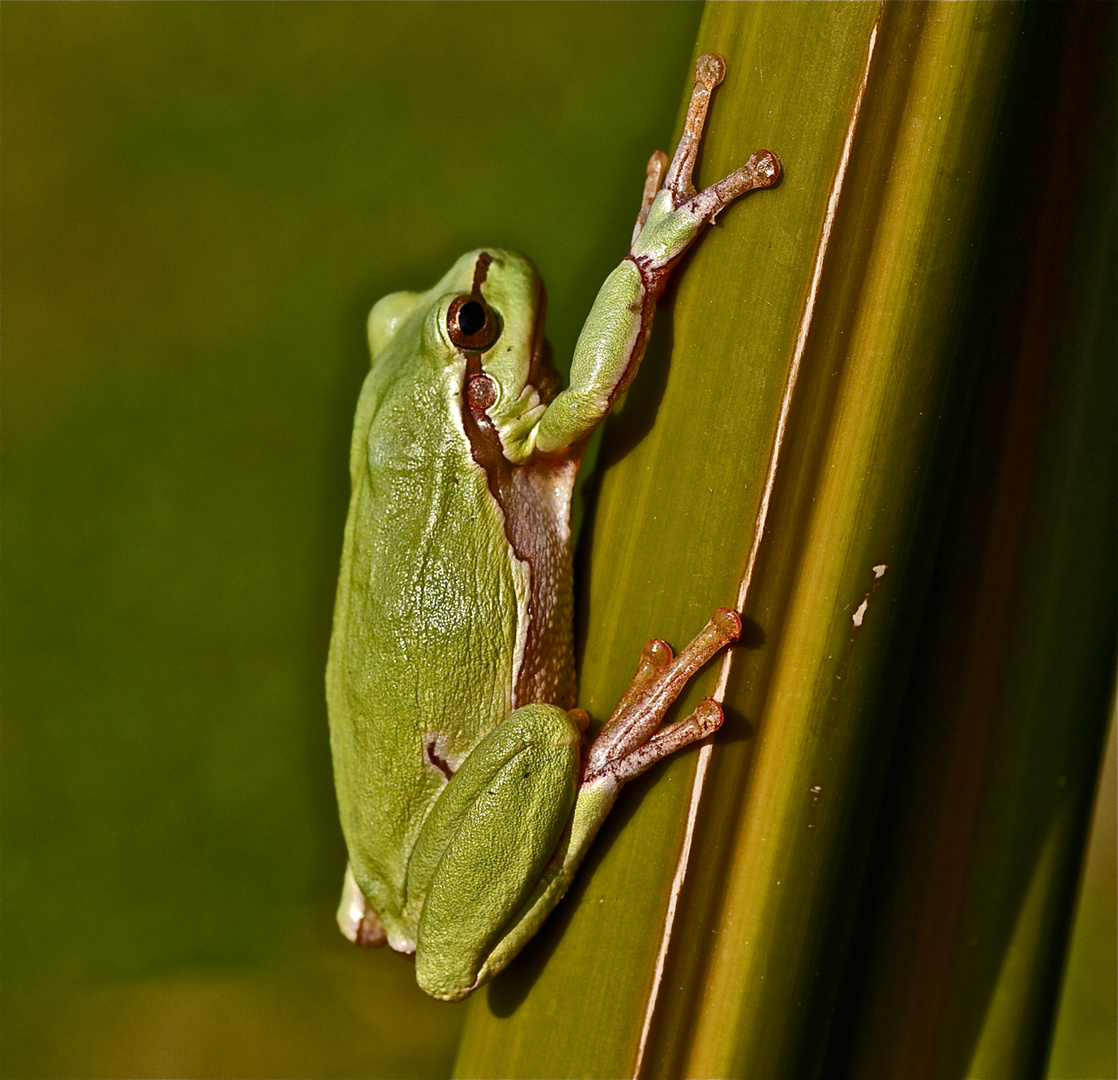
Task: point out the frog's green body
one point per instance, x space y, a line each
465 799
423 663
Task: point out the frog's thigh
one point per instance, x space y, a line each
495 826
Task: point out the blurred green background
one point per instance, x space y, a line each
200 204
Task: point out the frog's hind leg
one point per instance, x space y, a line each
627 745
487 841
632 739
356 919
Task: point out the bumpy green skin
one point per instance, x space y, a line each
465 798
506 807
430 634
421 655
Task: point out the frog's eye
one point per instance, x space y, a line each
472 325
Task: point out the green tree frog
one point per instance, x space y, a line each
467 790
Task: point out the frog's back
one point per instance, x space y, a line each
432 615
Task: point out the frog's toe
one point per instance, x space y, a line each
356 919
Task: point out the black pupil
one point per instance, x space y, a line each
471 318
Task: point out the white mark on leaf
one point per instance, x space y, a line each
863 607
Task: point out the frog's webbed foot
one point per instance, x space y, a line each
760 171
672 216
632 739
356 919
653 179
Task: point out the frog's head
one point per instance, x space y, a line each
495 318
483 325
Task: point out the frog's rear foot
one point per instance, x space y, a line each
356 919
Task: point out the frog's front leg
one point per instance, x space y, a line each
630 742
672 215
